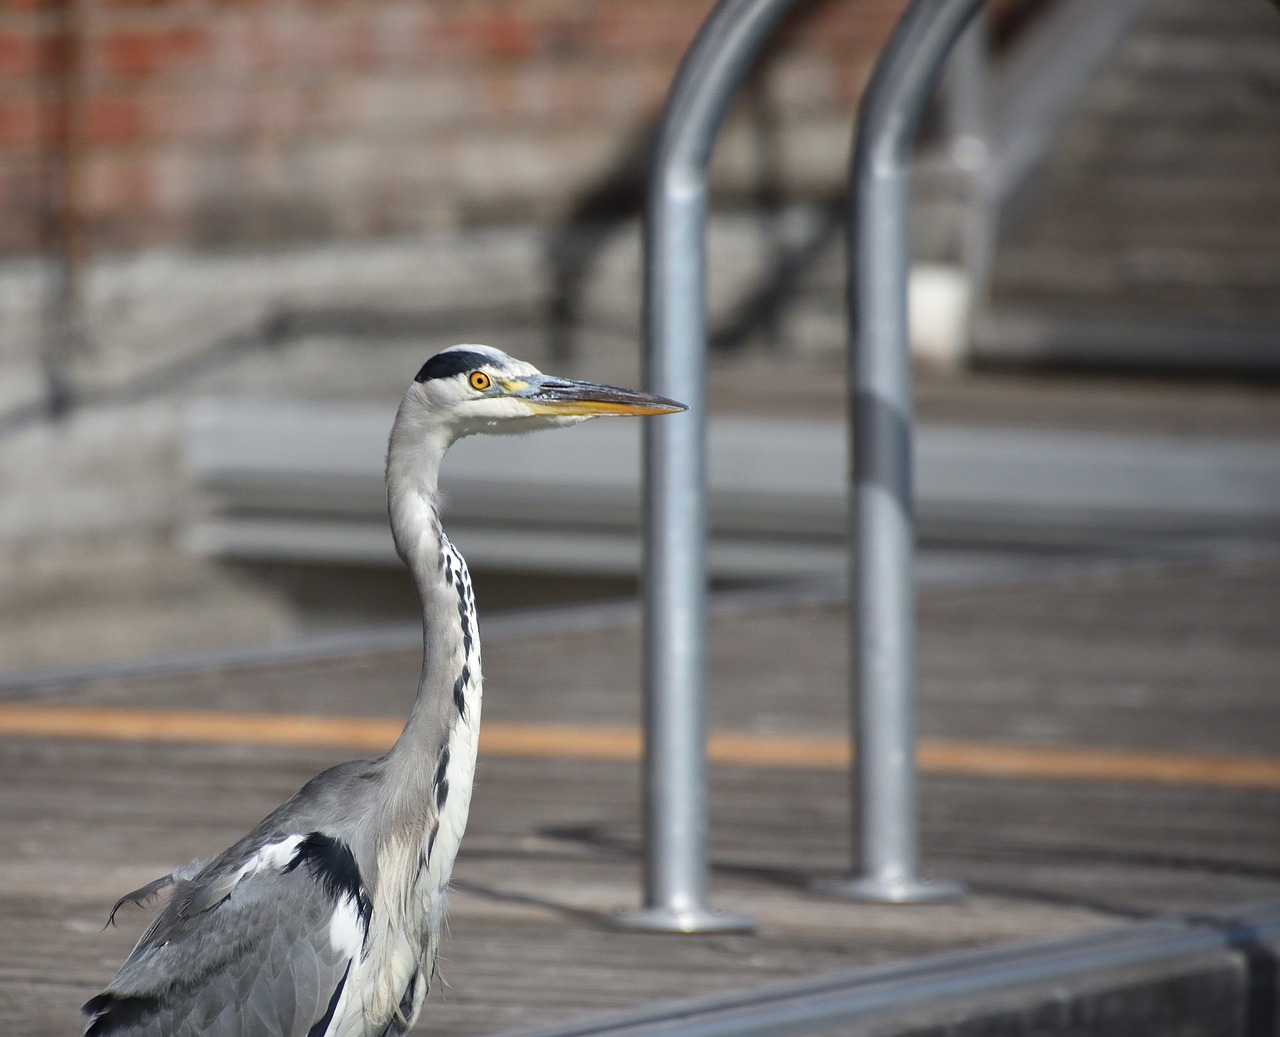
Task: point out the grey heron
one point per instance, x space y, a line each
326 918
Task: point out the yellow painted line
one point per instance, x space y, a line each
621 744
111 724
1076 764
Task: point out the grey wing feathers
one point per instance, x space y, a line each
250 946
141 897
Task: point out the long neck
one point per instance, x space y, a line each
448 700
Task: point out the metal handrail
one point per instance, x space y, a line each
675 627
881 533
675 605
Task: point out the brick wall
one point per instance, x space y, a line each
126 124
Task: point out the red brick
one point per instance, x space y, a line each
506 36
111 120
142 53
25 55
137 5
25 121
25 6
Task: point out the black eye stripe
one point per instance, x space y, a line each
451 362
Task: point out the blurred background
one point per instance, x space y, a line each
222 215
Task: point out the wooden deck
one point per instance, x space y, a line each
1096 749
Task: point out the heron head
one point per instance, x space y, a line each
474 389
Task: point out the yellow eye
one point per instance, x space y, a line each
480 381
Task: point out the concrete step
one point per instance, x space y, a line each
1208 977
302 481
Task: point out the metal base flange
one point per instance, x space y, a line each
671 920
895 891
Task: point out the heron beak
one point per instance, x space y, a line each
587 399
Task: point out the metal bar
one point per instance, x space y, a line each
950 984
882 607
675 495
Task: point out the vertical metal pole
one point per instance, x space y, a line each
882 537
675 607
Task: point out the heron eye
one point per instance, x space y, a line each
480 381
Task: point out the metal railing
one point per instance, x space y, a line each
881 530
675 606
881 534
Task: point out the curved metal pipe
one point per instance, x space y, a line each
675 450
675 605
882 606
